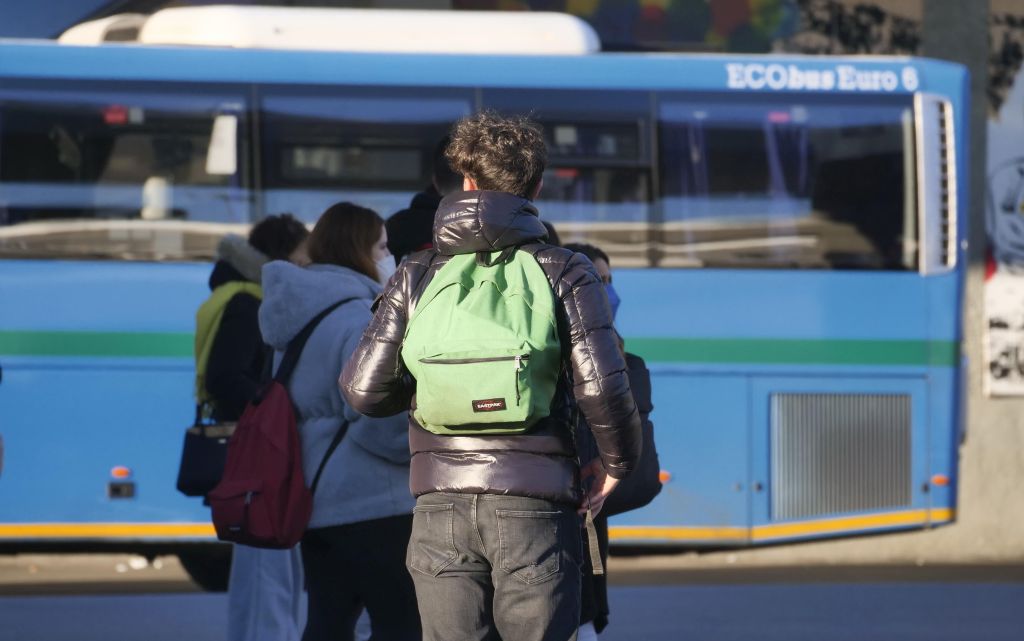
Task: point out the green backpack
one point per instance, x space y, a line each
483 346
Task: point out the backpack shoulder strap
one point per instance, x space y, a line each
335 442
553 277
294 351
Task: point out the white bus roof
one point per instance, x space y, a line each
104 29
362 30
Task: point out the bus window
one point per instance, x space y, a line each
106 172
373 147
597 187
796 184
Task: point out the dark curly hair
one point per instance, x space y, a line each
278 236
499 153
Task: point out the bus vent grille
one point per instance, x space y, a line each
834 453
947 192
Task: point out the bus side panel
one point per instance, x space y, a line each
944 442
67 425
804 351
702 437
98 373
838 455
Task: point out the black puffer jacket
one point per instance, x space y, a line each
540 464
237 357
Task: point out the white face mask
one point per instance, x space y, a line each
385 268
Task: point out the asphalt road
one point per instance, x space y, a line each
137 601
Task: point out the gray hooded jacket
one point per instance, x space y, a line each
367 477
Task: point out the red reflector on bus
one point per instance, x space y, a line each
115 115
940 480
120 472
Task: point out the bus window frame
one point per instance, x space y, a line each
786 99
265 137
242 180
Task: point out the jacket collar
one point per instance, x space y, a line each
472 221
236 260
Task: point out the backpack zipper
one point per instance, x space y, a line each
490 359
517 359
519 366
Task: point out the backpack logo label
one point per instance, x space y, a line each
489 405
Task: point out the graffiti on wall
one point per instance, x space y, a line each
742 26
829 27
1004 212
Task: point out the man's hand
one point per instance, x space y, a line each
600 488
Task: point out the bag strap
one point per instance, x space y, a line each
287 366
335 442
593 544
295 346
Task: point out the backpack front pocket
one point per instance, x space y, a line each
473 390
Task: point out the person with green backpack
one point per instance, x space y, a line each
493 340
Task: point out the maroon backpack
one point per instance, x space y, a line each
262 499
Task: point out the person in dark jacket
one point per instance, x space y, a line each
594 609
265 585
495 548
640 487
237 354
412 229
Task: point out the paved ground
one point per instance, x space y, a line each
737 612
40 574
110 598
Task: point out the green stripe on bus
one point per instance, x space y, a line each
110 344
798 352
656 350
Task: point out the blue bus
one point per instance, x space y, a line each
788 235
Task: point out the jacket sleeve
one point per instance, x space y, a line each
236 346
374 381
600 379
387 438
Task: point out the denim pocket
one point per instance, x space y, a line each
432 544
529 544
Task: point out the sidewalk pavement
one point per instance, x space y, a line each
39 574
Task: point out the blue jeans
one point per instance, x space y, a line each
489 567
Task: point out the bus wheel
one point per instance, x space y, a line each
209 566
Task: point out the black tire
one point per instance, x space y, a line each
209 566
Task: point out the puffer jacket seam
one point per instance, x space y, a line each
584 339
567 362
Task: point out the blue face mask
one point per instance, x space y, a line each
613 299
